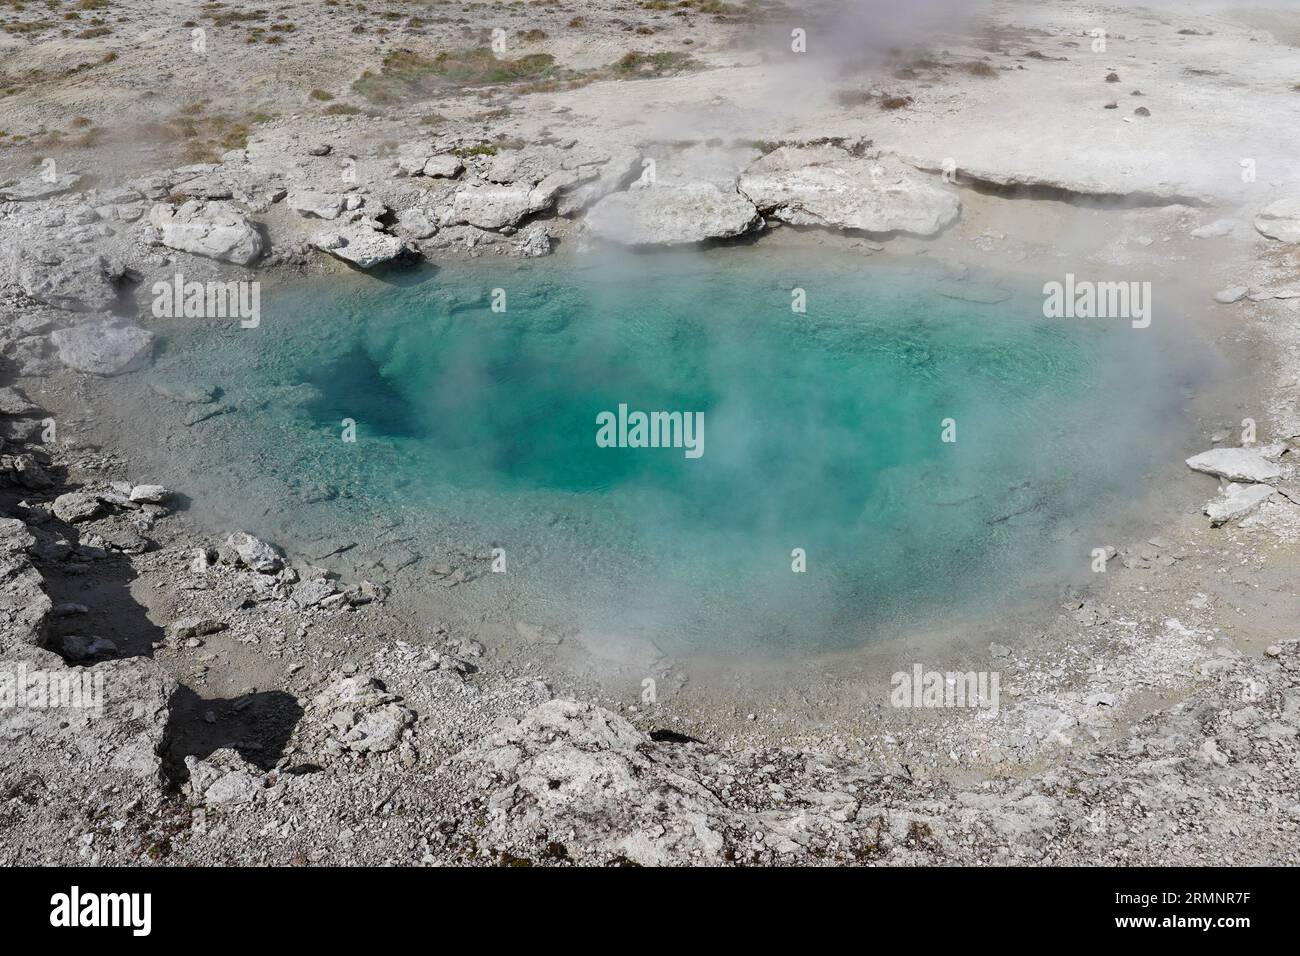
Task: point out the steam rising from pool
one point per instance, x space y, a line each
477 429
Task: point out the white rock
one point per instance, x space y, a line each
411 157
255 553
1213 230
77 283
224 779
490 206
599 179
36 187
673 214
149 494
443 166
104 346
312 592
74 506
360 245
533 240
1235 501
1280 220
379 730
1230 295
309 202
232 789
571 768
217 230
1236 464
827 186
415 223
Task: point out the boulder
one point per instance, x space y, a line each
598 179
24 470
411 157
318 205
77 506
360 245
70 281
378 730
113 736
533 240
828 186
1280 220
490 206
80 649
217 230
443 166
673 214
415 223
366 718
1238 464
254 553
38 187
109 346
580 772
223 778
149 494
1235 501
311 592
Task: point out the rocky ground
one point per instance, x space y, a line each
261 709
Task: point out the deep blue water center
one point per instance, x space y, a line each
823 432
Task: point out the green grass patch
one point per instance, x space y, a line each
479 149
406 75
637 64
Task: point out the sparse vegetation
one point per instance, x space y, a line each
479 149
230 17
655 64
201 136
407 75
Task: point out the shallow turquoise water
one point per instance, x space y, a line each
822 432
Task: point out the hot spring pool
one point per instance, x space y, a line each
823 437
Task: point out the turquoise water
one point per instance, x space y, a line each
822 432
